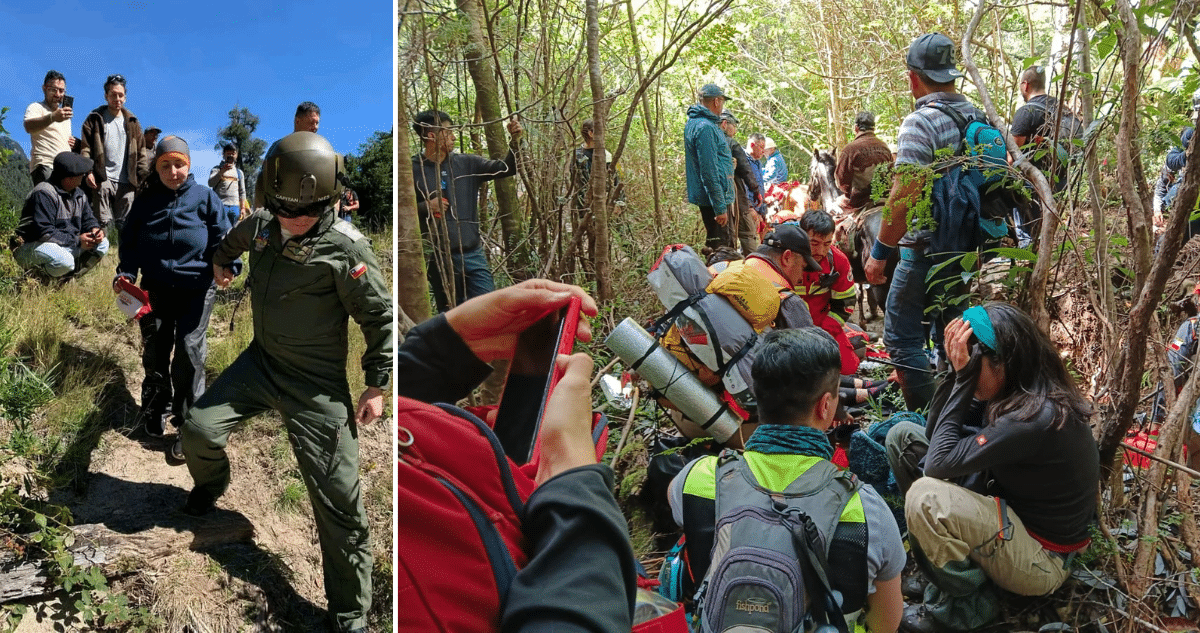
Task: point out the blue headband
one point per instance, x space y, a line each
981 325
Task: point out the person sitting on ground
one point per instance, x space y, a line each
1181 353
795 382
441 360
1009 409
61 237
169 238
857 163
830 290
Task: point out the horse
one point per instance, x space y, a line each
861 235
855 233
822 186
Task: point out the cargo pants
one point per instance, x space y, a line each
963 540
318 416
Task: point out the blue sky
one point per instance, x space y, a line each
188 64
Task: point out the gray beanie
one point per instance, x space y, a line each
172 146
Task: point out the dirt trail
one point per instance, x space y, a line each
271 584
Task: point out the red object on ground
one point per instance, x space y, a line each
840 458
1147 442
673 622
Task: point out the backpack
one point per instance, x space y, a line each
771 551
973 199
463 502
1070 128
706 327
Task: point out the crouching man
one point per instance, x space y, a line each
60 233
785 473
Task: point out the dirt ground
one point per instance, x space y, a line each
271 583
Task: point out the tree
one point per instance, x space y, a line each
370 176
240 132
412 287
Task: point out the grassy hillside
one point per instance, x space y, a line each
70 375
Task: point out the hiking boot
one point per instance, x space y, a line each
918 619
913 587
154 423
199 503
176 451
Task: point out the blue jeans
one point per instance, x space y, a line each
233 212
53 259
472 277
905 329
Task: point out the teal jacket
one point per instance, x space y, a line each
303 293
708 160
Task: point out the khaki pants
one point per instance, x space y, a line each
111 202
952 524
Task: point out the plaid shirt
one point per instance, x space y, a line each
926 131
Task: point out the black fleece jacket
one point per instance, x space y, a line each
1048 477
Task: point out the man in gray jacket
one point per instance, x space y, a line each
447 185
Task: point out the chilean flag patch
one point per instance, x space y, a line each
358 270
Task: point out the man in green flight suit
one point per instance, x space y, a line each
308 274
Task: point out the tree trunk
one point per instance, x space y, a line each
599 184
650 137
1125 382
412 286
482 68
1130 174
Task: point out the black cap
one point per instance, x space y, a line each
728 116
67 164
933 54
789 237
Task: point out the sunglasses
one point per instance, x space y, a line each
114 79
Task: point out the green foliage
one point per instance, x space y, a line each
240 132
370 175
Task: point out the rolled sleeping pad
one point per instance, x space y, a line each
641 353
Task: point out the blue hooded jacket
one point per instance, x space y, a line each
708 161
169 236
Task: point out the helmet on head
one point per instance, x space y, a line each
302 175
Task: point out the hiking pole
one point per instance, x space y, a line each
892 363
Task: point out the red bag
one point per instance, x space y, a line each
460 500
459 542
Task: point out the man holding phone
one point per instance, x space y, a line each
230 183
48 123
447 185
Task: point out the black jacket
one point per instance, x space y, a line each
580 576
1048 477
53 215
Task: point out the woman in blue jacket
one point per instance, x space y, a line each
169 237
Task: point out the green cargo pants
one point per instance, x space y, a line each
319 420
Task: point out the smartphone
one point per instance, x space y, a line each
68 101
532 376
